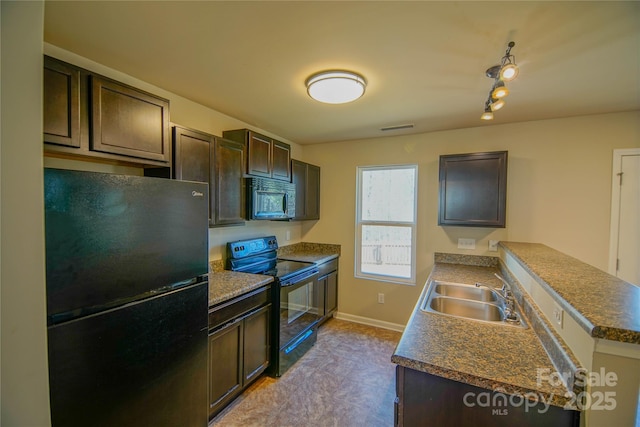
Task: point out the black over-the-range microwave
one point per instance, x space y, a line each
270 199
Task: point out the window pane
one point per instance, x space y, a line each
388 194
386 250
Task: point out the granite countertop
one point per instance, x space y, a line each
605 306
496 357
317 253
225 285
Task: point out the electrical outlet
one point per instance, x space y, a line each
466 243
493 245
558 315
380 298
288 237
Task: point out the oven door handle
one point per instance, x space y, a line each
297 279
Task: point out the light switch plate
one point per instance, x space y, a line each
466 243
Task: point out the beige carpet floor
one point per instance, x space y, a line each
346 380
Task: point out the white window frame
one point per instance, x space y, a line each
359 223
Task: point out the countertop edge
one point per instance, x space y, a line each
485 383
231 284
602 331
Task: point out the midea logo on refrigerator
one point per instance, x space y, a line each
195 193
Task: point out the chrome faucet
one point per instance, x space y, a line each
506 288
507 297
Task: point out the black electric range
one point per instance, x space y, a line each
294 300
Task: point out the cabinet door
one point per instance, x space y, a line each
312 197
259 155
331 299
128 122
473 189
191 155
299 179
306 178
225 365
226 188
61 103
257 335
320 296
281 161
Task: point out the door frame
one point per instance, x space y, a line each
615 204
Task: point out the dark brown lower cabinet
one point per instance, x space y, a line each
225 361
238 346
427 400
328 289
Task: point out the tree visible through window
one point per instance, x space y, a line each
386 222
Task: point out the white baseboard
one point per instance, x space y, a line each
369 321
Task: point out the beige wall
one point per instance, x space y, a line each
25 390
559 190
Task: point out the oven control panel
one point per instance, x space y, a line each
244 248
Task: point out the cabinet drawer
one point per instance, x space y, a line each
328 267
227 311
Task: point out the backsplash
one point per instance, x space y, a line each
477 260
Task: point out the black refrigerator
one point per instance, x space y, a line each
127 299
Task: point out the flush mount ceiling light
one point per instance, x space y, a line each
506 71
336 87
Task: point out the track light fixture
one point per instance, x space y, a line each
506 71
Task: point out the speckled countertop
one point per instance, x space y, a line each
225 284
309 252
605 306
496 357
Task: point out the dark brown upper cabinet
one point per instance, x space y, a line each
306 178
88 116
265 157
198 156
227 185
473 189
192 155
61 103
128 121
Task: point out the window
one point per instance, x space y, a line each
386 223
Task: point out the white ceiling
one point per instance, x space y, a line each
424 61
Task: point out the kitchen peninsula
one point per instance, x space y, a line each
459 356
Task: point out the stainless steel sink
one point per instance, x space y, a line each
458 290
467 302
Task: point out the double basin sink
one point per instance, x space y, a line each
468 302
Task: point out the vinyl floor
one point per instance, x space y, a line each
345 380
